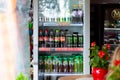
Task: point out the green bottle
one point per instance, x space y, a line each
76 64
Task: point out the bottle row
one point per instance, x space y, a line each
59 38
75 15
61 64
73 19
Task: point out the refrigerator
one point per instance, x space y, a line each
61 38
106 24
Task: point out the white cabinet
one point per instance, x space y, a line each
61 38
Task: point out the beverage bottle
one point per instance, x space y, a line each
65 64
55 64
81 63
41 64
71 63
80 13
51 38
76 64
74 14
62 38
75 36
60 65
68 39
45 64
46 37
57 38
41 38
80 40
49 62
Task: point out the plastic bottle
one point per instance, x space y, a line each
76 64
65 64
71 63
75 39
57 38
80 13
41 38
46 37
68 39
49 62
80 40
62 38
51 38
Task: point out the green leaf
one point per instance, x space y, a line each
21 76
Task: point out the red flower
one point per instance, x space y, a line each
117 62
101 54
108 46
106 58
93 44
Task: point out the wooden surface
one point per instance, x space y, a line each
78 77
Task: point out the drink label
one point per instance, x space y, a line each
51 39
56 39
40 38
62 39
45 38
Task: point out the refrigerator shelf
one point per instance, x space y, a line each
62 24
113 44
59 74
111 28
61 49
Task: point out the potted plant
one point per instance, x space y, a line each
99 60
115 71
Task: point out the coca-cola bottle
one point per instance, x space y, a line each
62 38
51 38
40 38
46 37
